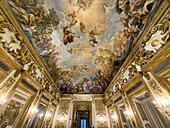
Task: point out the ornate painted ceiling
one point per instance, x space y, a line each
82 43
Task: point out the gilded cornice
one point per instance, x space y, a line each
8 12
135 57
154 20
21 58
158 58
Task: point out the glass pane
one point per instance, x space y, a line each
81 123
84 123
37 118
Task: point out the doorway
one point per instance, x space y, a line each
82 114
83 123
83 119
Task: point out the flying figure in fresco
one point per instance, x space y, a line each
82 4
92 37
72 16
82 27
84 86
48 50
72 19
68 36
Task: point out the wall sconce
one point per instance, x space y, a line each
48 114
101 118
114 116
34 110
2 101
62 117
40 115
128 113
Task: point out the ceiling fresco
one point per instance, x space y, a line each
82 43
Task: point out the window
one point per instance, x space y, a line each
83 123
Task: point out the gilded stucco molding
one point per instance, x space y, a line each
15 45
100 107
64 106
8 116
60 124
26 45
146 48
5 87
102 125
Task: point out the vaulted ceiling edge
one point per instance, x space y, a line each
4 6
153 20
154 41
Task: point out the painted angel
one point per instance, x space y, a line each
92 39
68 36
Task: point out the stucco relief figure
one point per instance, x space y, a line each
136 15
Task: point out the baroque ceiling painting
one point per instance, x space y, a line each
83 43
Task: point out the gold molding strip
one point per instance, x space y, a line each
8 12
163 7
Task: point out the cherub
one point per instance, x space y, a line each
124 5
54 57
44 38
82 27
72 16
72 24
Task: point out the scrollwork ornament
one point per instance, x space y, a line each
4 24
6 86
16 46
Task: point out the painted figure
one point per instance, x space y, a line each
82 27
68 36
92 38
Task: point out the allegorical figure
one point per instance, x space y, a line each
92 37
82 27
68 36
